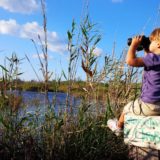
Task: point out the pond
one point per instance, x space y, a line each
33 101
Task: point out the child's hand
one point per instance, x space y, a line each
146 50
136 41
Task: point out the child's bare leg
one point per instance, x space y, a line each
121 121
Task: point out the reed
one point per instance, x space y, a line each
52 136
67 135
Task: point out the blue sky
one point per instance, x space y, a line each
21 20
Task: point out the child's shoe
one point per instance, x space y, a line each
112 125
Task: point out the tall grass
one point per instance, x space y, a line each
82 136
43 41
65 136
72 66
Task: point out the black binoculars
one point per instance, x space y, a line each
143 45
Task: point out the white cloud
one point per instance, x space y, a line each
9 27
117 1
41 56
60 47
19 6
98 51
31 30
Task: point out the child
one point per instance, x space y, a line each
149 102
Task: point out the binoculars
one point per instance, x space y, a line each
143 45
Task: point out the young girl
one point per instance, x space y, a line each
148 104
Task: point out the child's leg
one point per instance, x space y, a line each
127 109
121 121
117 125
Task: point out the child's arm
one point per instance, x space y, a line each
131 58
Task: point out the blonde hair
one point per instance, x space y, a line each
155 35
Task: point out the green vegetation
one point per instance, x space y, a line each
66 135
62 137
77 88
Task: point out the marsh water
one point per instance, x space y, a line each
33 101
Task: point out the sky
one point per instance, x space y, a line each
117 20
